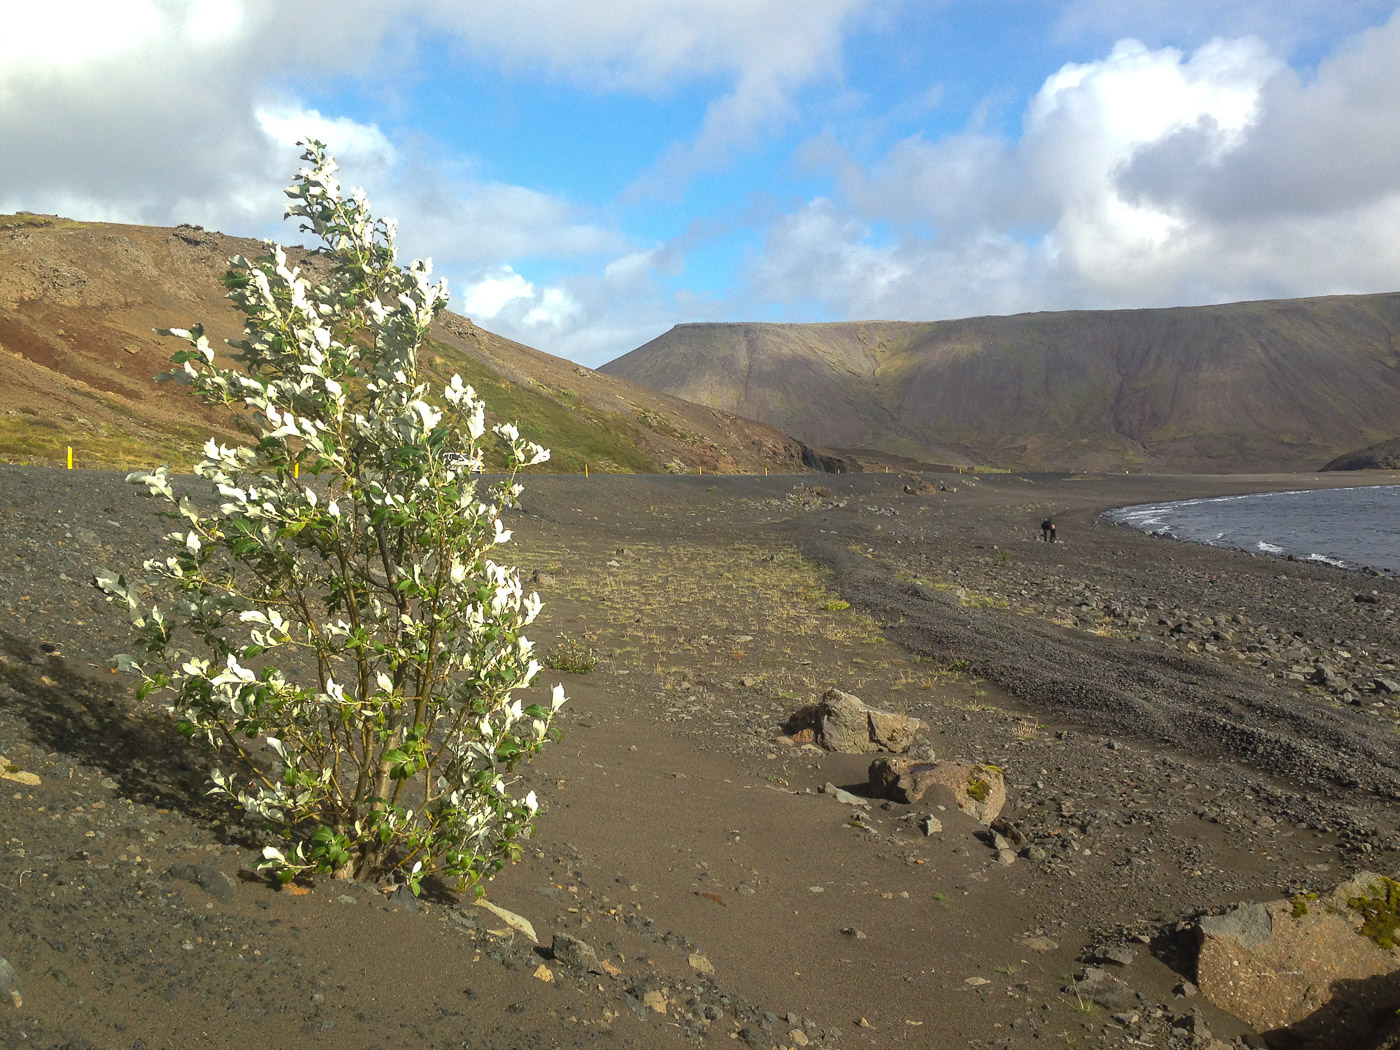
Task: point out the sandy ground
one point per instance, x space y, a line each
1168 744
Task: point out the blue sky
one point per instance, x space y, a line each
587 176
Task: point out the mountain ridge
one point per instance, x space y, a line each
1261 385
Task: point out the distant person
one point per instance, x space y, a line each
1047 531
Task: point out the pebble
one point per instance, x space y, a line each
10 986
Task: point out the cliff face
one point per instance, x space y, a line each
1282 385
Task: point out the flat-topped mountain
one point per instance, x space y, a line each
1259 386
78 356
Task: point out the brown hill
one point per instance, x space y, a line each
1263 386
79 302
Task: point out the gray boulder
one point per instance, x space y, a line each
845 723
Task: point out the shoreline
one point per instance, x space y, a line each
1158 525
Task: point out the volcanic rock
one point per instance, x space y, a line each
845 723
1310 972
977 790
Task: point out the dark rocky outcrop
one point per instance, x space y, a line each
1382 456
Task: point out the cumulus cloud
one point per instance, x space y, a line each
1147 177
150 111
486 296
1322 145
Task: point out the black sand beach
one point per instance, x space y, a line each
1179 728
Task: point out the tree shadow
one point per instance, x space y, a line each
101 725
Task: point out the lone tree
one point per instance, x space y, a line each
331 624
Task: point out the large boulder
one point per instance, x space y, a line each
977 790
845 723
1312 973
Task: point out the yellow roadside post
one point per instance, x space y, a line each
70 457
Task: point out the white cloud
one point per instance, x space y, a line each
485 297
556 309
361 148
1147 177
52 35
212 21
649 45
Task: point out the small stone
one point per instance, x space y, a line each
700 963
518 923
847 799
853 933
976 982
211 880
544 973
10 771
655 1001
931 825
574 954
1117 955
10 986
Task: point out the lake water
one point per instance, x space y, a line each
1349 527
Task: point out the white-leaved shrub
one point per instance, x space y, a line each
331 621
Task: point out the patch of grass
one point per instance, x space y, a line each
572 655
699 604
39 441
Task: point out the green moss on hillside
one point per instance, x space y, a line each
575 433
32 439
28 218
